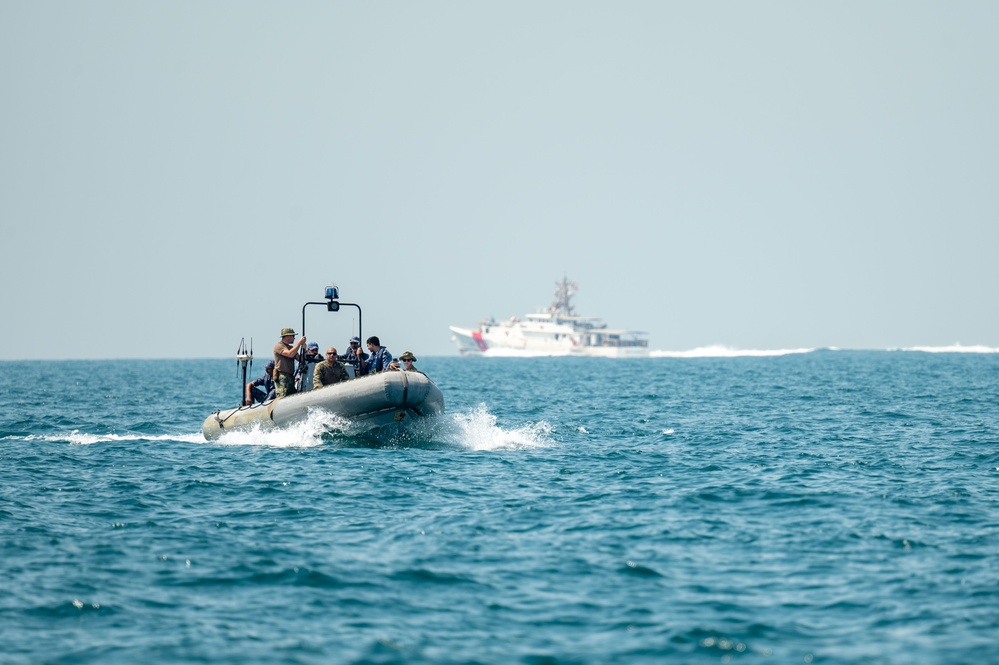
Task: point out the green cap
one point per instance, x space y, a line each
287 331
407 356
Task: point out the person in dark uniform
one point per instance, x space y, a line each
354 354
303 375
380 357
261 389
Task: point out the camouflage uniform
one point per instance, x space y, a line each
284 384
329 372
284 371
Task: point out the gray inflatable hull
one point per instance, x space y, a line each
375 400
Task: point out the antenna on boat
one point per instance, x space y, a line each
564 291
244 358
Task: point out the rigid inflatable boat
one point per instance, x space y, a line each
394 397
372 401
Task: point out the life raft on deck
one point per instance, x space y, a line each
373 401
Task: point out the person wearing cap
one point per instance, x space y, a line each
303 376
407 360
380 358
312 353
284 362
354 354
261 389
329 371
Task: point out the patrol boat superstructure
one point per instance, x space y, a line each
555 331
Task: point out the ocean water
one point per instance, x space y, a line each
820 507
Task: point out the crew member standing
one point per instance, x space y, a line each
284 362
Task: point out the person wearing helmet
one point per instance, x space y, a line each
284 362
261 389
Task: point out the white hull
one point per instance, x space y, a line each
514 341
376 400
556 331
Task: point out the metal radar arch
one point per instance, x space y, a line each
333 304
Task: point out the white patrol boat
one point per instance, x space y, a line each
394 398
555 331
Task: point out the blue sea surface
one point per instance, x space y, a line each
823 507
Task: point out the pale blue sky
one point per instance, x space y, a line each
177 175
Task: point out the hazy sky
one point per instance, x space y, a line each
177 175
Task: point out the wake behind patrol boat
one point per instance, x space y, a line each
395 398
